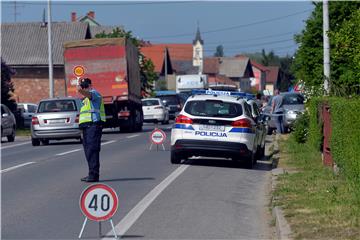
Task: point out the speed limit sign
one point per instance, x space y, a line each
99 202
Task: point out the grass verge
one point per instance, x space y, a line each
317 203
23 132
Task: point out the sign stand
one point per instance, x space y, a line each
157 137
98 202
100 234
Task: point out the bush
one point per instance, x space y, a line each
315 135
301 128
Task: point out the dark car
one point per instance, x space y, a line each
8 123
174 102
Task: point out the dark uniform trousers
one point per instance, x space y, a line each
92 144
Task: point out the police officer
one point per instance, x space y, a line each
92 116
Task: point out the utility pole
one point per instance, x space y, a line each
326 47
51 79
166 73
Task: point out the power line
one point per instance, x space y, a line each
230 28
107 3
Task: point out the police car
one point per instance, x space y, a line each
215 124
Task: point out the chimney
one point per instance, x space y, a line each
91 14
73 16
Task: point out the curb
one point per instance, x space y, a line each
283 230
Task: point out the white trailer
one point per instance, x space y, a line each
186 83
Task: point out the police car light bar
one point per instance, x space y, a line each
215 92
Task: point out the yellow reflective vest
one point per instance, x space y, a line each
87 110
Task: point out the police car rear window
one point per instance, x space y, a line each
213 108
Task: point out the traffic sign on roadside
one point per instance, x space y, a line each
98 202
157 137
79 71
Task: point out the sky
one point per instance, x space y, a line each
240 26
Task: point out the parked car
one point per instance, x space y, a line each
8 123
174 102
261 128
56 119
155 110
293 105
27 112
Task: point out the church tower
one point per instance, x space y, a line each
198 51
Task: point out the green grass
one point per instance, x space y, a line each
317 203
23 132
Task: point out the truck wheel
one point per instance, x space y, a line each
35 142
175 158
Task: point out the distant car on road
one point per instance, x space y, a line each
155 110
56 119
8 123
27 112
293 104
174 102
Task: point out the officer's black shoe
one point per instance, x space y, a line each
90 179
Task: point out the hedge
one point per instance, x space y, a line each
345 137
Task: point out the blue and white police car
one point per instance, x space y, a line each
215 124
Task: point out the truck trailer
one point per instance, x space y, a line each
112 64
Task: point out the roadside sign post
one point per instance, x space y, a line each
157 137
78 71
98 202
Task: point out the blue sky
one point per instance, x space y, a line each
240 26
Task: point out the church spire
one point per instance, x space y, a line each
198 37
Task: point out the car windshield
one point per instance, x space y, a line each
293 99
170 99
57 106
150 102
213 108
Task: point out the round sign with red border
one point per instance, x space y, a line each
79 71
99 202
157 136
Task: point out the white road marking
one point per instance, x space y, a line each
79 149
71 151
15 145
132 136
17 166
112 141
123 226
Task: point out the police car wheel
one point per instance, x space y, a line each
249 162
175 158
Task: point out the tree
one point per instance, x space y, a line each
347 56
147 68
270 59
219 51
7 87
308 62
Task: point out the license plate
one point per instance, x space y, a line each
212 128
55 121
148 116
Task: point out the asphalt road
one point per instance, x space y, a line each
199 199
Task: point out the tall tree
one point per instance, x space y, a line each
219 51
308 62
147 68
7 87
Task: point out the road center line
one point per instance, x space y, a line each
132 136
124 225
71 151
17 166
79 149
15 145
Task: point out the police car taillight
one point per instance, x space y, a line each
245 123
183 119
